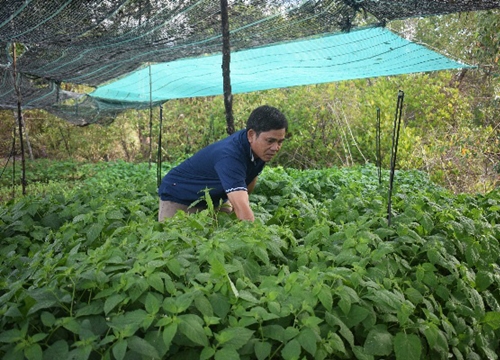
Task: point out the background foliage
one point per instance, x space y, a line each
450 129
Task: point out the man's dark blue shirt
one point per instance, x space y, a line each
222 167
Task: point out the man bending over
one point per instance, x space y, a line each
228 168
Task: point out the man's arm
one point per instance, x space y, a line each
241 204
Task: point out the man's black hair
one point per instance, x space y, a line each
266 118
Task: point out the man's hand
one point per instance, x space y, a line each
227 207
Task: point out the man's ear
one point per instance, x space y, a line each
251 134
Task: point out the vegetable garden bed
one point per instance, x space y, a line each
88 273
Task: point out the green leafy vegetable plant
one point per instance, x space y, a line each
88 273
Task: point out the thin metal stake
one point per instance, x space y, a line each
395 140
379 156
158 161
150 117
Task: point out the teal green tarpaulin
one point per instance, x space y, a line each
358 54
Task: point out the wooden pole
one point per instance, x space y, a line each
226 58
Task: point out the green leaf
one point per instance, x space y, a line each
472 254
475 299
361 353
248 296
114 214
129 322
119 349
420 273
142 347
378 342
80 217
345 304
155 281
207 353
487 344
58 350
33 352
333 320
203 306
38 337
275 332
483 280
290 333
291 351
325 297
44 299
48 319
426 222
355 316
152 304
52 221
274 307
492 319
174 266
80 353
191 326
169 333
226 354
262 350
308 340
389 301
220 304
112 301
457 353
261 254
404 313
252 269
183 301
233 287
94 308
407 346
13 311
234 337
336 343
414 295
312 321
69 323
431 334
155 338
94 231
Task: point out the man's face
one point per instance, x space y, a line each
267 144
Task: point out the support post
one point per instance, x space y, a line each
19 117
13 154
226 58
379 154
158 161
395 140
150 117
